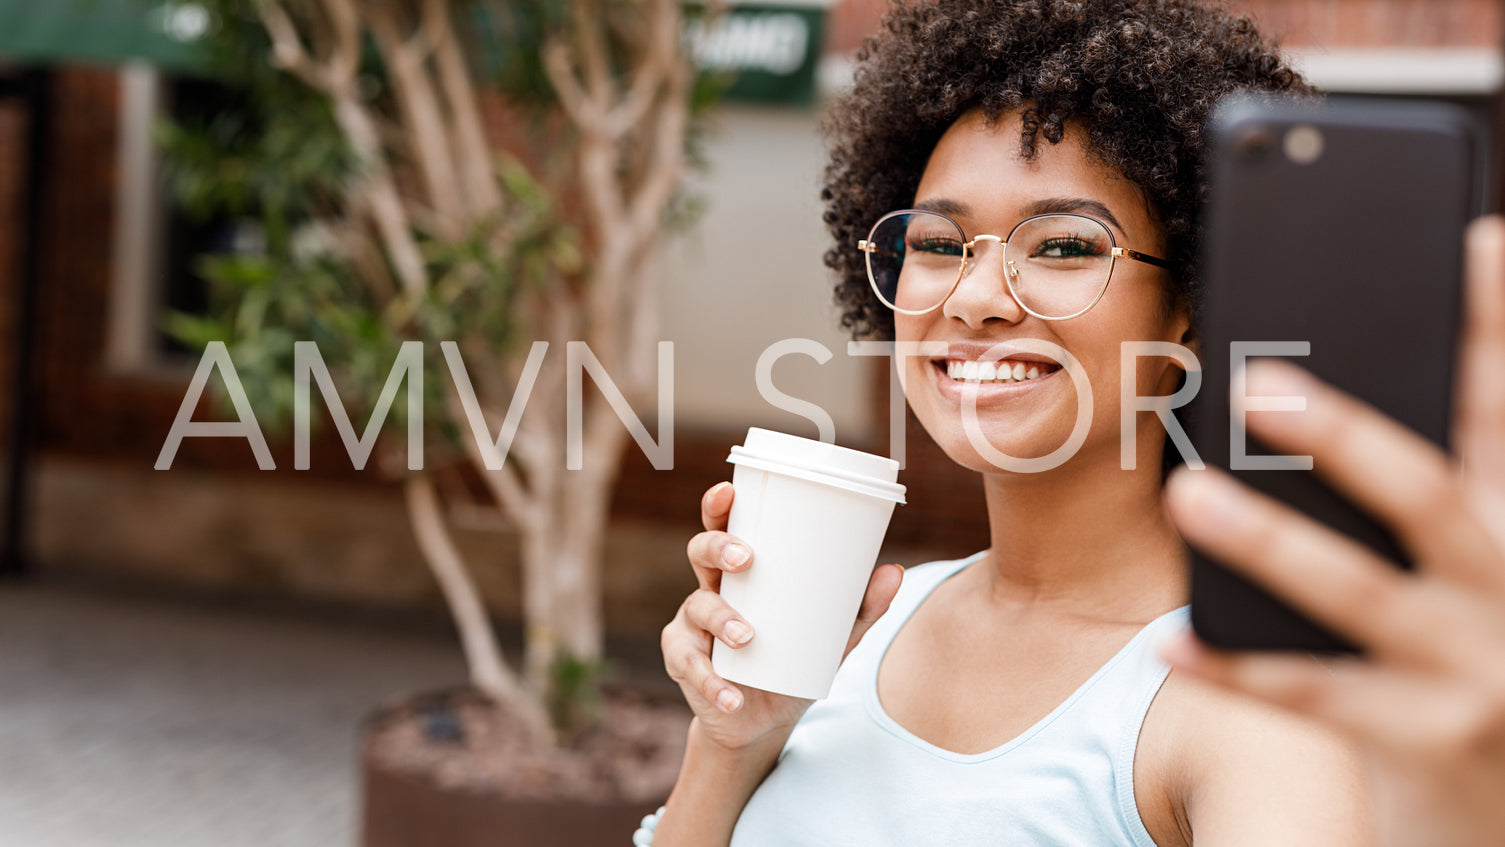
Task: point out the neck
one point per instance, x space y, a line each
1086 538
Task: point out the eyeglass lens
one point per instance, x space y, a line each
1057 265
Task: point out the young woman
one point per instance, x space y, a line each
1016 184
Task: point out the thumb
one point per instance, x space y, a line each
881 588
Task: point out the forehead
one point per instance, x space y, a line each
981 167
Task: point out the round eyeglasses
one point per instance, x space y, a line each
1056 266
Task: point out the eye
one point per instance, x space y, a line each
937 244
1067 247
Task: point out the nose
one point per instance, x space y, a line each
982 294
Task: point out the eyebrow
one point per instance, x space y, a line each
1047 206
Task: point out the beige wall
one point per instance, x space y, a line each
750 274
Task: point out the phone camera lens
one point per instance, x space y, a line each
1255 143
1303 145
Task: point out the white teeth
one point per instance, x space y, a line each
999 372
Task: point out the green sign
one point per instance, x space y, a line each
772 49
163 32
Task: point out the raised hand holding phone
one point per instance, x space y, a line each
1428 697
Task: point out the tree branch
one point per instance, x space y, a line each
345 57
472 150
288 51
379 194
656 60
365 253
495 388
572 97
591 20
423 120
488 671
505 486
646 209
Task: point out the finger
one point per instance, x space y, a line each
1480 426
716 506
1395 474
695 675
705 610
881 588
687 659
712 553
677 641
1406 713
1333 579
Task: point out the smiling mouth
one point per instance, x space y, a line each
994 373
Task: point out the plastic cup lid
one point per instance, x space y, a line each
817 461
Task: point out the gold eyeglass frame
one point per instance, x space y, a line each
868 247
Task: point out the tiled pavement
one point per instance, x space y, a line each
147 723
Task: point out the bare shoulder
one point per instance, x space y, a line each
1218 769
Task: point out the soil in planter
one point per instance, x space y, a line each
458 740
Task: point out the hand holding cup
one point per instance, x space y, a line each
731 715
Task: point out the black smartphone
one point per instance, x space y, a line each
1333 235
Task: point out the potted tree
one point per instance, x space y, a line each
389 150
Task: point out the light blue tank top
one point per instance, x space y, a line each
850 775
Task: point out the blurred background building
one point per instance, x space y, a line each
110 253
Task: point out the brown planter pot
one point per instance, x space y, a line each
405 810
408 805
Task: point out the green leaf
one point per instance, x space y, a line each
195 331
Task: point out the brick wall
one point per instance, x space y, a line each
13 121
1328 23
850 21
1379 23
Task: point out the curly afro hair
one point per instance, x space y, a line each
1139 77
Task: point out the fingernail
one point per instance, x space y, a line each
1212 499
729 700
736 632
1276 378
1182 651
735 555
711 494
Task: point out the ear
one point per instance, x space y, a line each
1184 328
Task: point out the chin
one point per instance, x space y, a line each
948 434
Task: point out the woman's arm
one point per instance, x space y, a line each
1245 774
1428 700
715 783
737 732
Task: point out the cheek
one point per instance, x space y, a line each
1101 350
1158 368
908 329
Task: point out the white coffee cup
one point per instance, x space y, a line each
814 515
